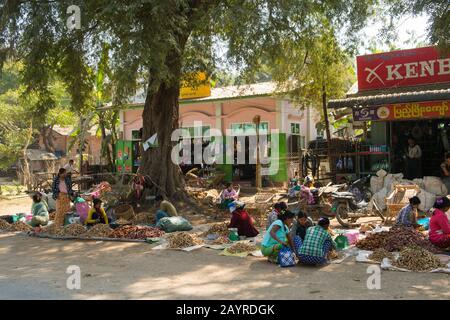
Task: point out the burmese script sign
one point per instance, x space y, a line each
404 111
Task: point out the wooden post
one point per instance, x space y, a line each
257 121
327 124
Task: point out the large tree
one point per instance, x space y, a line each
159 42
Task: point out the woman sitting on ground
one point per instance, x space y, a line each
228 195
439 234
242 220
39 210
277 209
407 216
300 225
166 208
97 214
277 236
317 244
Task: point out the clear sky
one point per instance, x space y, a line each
407 28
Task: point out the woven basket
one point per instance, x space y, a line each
124 211
399 198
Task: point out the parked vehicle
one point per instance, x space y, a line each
360 188
348 209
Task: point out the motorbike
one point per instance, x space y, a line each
360 188
348 209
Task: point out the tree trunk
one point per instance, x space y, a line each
26 166
47 138
105 146
160 115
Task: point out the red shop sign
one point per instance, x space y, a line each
402 68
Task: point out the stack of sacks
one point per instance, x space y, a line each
435 186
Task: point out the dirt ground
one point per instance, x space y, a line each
32 268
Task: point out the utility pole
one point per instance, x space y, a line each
327 124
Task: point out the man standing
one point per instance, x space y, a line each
70 168
413 160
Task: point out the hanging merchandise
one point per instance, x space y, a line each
350 164
339 164
345 164
445 141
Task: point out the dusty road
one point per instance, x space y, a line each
36 269
32 268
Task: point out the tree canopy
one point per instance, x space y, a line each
155 43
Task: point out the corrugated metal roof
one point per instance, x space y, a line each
39 155
392 98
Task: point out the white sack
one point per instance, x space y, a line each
380 198
435 186
376 184
381 173
427 200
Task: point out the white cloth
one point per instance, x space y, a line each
69 168
414 152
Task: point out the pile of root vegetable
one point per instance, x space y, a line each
395 240
4 225
72 230
99 231
417 259
221 240
218 228
144 218
242 247
380 253
18 226
136 232
181 240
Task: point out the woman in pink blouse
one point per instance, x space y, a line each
439 234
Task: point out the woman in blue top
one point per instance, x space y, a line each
277 236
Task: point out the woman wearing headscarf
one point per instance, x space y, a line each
277 236
317 244
241 220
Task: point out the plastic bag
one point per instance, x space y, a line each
173 224
286 257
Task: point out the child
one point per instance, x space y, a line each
97 214
408 214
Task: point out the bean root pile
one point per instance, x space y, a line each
417 259
99 231
242 247
219 228
379 254
136 232
180 240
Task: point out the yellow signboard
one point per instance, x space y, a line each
202 90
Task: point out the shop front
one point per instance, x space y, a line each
403 99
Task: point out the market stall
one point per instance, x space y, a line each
401 95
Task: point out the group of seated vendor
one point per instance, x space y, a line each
310 243
439 230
